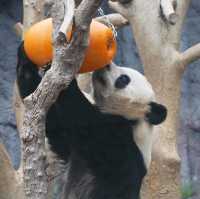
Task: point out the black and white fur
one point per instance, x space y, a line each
106 146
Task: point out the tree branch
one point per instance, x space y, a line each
69 10
190 55
168 10
116 19
66 62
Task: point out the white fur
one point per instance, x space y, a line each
131 102
143 136
139 90
89 97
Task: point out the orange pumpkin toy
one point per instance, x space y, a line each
100 52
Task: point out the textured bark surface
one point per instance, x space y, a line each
33 152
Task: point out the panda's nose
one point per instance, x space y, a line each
108 67
98 76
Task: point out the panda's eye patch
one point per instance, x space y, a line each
122 81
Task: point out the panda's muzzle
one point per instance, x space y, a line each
99 76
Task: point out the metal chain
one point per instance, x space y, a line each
110 25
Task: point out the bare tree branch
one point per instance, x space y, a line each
116 19
69 10
67 61
191 54
168 10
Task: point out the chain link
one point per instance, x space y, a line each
110 25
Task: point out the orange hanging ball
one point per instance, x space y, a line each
100 52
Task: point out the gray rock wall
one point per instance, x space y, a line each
10 12
189 134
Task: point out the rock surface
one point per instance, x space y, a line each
189 134
9 15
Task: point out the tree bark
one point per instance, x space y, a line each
158 42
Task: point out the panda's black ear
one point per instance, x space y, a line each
157 114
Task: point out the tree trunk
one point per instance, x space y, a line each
163 180
157 43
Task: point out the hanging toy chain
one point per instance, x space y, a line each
110 25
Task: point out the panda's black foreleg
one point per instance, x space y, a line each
27 73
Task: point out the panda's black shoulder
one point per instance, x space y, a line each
74 109
27 73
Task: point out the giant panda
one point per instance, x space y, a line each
106 146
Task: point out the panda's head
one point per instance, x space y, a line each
126 92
